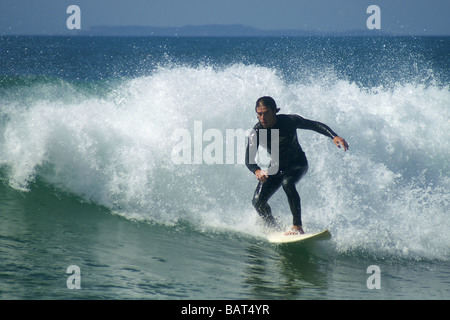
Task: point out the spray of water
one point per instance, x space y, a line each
388 193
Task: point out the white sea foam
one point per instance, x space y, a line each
388 194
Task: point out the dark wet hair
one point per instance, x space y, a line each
267 102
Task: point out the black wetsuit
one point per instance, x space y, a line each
292 163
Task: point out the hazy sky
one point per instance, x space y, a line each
419 17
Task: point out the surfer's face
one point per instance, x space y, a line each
266 116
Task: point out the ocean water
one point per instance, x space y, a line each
89 177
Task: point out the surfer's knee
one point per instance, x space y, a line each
288 186
256 201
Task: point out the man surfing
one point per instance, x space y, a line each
288 161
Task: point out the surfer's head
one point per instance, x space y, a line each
266 109
267 102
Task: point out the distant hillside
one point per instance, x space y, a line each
236 30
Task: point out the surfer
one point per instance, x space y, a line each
289 165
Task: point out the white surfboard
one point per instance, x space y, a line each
283 238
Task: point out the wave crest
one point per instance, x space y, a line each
389 193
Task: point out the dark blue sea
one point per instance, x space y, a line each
91 173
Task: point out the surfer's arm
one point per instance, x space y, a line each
250 152
321 128
316 126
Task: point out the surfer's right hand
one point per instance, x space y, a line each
261 175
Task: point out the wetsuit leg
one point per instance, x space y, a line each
290 178
262 195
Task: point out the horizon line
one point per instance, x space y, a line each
212 30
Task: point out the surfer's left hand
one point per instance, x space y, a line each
338 141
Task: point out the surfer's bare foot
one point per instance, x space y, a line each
295 230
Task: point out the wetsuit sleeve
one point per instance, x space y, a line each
250 153
316 126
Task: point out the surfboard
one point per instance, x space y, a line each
298 238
